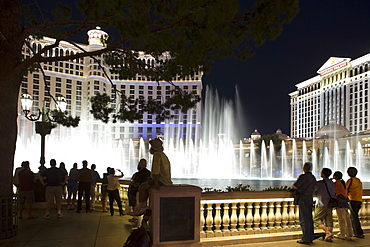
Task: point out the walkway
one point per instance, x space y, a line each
98 229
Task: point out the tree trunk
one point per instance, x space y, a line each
11 40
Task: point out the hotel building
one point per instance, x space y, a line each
339 93
78 80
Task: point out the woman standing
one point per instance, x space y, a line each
345 224
113 191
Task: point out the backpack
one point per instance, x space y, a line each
138 238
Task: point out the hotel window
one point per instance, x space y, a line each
36 76
35 86
150 87
58 79
35 92
68 91
24 84
132 86
58 84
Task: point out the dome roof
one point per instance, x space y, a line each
332 130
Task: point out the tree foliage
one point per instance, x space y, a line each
191 34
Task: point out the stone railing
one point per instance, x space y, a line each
243 213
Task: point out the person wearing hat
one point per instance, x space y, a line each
160 175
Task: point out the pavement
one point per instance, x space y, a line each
99 229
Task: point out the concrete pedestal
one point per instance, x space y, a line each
175 216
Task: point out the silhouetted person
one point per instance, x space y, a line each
354 190
26 194
139 177
72 187
104 192
113 191
62 166
160 176
345 224
324 212
55 179
95 177
305 185
84 179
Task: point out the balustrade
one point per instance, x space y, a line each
230 217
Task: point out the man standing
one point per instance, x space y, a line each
26 190
84 179
305 185
324 212
354 190
160 176
55 179
95 177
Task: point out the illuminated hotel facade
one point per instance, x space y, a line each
80 79
339 93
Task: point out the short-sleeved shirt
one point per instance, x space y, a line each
26 180
161 166
354 189
113 183
54 176
306 183
322 193
84 175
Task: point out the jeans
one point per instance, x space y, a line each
114 196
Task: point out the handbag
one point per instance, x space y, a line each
333 203
296 197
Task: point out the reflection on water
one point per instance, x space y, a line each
256 185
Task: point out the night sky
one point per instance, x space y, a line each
322 29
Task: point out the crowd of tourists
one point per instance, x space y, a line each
332 193
80 185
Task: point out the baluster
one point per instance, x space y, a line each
361 213
278 217
249 218
209 222
335 218
226 220
202 221
271 217
285 216
291 215
264 218
242 219
217 220
257 218
296 218
367 211
233 220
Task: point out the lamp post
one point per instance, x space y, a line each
46 124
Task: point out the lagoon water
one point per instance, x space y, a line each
257 185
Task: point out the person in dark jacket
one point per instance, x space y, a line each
139 177
305 186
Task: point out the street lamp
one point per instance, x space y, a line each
44 126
